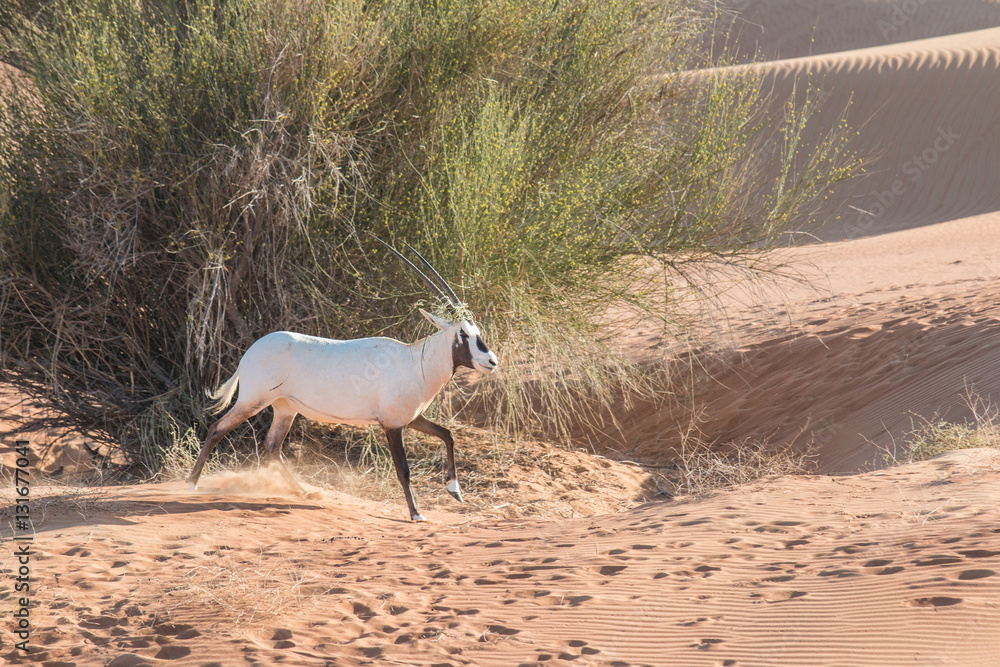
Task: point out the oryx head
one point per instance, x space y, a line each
468 347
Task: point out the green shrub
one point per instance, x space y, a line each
180 177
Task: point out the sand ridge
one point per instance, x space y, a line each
750 30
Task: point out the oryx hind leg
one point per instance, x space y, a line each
394 436
281 423
425 425
216 432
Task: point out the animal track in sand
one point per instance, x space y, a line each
698 621
778 595
880 566
282 638
706 644
173 652
937 560
855 548
979 553
970 575
937 601
839 573
696 522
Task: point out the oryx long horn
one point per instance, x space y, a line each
444 283
420 273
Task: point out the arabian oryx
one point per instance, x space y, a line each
363 381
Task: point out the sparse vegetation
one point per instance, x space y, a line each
250 591
929 437
703 469
181 177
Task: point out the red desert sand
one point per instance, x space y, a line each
574 558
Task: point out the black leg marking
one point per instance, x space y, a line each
280 425
216 433
425 425
395 438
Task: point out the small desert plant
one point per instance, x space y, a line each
249 589
929 437
180 177
703 468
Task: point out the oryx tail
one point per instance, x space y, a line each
223 395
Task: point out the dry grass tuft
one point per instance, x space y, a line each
702 469
930 437
250 591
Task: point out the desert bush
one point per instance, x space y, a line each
702 468
180 177
929 437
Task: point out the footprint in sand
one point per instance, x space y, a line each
937 560
582 645
172 652
880 566
854 548
778 595
282 638
77 551
129 660
971 575
98 622
937 601
177 631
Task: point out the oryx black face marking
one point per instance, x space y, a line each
461 355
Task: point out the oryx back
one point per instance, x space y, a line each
362 381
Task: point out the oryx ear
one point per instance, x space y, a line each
434 319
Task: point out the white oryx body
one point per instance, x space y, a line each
360 382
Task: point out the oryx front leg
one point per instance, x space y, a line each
394 436
425 425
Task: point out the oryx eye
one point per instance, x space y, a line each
464 336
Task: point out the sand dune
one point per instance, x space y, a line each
851 383
775 29
887 330
925 112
